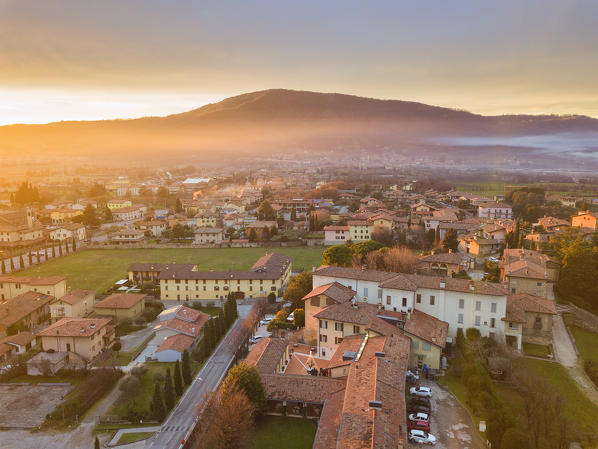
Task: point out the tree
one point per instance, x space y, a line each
265 212
339 255
107 215
116 346
178 381
157 405
429 237
514 438
450 241
293 214
248 380
89 216
365 247
299 317
186 368
271 298
168 390
299 286
97 190
178 206
96 444
252 236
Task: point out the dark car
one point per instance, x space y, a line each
414 400
419 408
418 425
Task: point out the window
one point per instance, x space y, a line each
492 323
461 303
478 305
492 335
365 292
432 300
324 338
477 320
404 302
460 318
315 301
388 300
538 284
493 307
338 327
414 344
337 340
356 329
323 324
379 293
426 346
418 298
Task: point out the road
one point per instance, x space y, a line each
207 380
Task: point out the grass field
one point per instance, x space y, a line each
586 342
134 436
99 269
491 188
274 432
536 350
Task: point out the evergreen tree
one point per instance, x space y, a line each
74 244
209 336
21 262
96 444
178 381
293 214
2 266
12 265
186 368
60 251
178 206
30 259
168 390
158 409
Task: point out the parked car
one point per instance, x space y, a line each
425 392
419 425
419 417
291 317
418 400
411 375
419 409
255 339
421 437
265 321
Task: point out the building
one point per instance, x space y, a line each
47 363
442 264
359 230
529 319
336 235
24 312
121 306
59 216
206 220
130 213
127 236
477 246
86 337
17 344
116 204
12 286
140 273
493 209
260 227
69 231
20 229
585 219
208 236
459 302
185 282
552 224
527 271
179 329
77 304
154 227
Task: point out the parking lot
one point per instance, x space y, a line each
450 422
26 406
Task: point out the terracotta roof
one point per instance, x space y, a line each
120 301
74 327
427 327
181 326
551 222
452 258
185 313
330 418
33 280
314 389
267 354
20 339
178 343
520 303
334 290
76 296
14 310
360 313
336 228
354 273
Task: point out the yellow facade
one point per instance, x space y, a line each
119 313
15 286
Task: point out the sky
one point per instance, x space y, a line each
81 60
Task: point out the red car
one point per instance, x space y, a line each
418 425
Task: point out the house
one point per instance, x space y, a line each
494 231
69 231
494 209
47 363
184 282
127 235
86 337
140 272
116 204
442 264
20 229
359 230
528 271
179 329
59 216
585 219
121 306
459 302
439 216
77 304
24 312
130 213
478 246
16 344
206 220
11 286
208 236
552 224
259 227
154 227
428 339
530 319
336 235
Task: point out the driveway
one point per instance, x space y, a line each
563 347
450 422
132 341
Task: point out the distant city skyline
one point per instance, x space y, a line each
79 60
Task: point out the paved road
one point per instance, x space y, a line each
207 380
563 347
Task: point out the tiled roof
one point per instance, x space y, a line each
330 419
17 308
183 327
334 290
354 273
76 296
427 328
32 280
267 354
20 339
178 343
452 258
314 389
360 313
336 228
518 304
120 301
74 327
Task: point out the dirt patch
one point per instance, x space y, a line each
26 406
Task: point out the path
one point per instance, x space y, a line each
121 432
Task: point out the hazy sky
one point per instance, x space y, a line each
78 59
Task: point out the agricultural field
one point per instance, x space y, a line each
98 269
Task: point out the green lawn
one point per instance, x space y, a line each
98 269
274 432
536 350
586 342
580 408
134 436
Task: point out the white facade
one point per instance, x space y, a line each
336 235
495 210
360 232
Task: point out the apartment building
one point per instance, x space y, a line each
359 230
68 231
18 228
208 236
336 235
77 304
11 286
493 209
527 271
23 312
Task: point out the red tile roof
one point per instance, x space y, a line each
178 343
427 327
120 301
74 327
334 290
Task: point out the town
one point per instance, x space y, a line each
381 310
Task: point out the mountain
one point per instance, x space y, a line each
275 120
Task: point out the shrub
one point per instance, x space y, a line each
158 377
139 371
130 385
591 368
272 298
472 333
